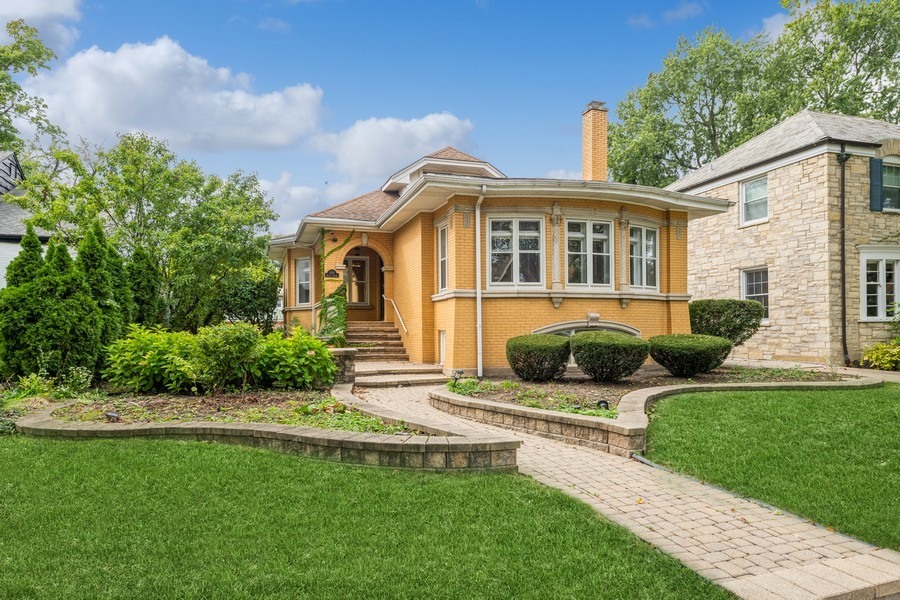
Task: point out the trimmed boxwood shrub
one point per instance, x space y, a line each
539 357
685 355
735 320
608 356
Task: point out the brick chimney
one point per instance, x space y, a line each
594 122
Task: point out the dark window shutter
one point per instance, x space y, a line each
876 185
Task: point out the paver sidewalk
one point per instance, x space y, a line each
754 551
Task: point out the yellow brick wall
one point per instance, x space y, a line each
414 277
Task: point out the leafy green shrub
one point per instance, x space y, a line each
608 356
735 320
685 355
540 357
470 386
885 357
333 317
152 360
300 361
226 354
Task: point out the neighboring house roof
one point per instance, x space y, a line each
10 172
803 130
367 207
12 226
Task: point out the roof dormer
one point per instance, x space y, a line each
448 161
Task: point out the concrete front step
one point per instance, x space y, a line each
382 381
379 350
355 325
363 369
392 356
371 343
364 337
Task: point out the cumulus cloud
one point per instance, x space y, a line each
685 10
274 25
52 18
162 89
641 22
563 174
375 148
773 25
291 202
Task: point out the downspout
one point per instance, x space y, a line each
843 157
478 332
313 273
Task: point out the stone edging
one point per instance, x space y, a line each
444 451
621 436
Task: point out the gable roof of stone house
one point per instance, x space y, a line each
12 225
804 130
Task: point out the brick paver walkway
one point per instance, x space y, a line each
754 551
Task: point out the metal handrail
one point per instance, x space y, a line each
399 316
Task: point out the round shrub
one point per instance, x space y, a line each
539 357
608 356
736 320
685 355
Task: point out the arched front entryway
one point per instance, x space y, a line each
364 278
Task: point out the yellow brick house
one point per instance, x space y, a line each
460 257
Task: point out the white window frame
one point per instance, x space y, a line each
642 285
742 204
443 251
882 256
364 259
542 251
308 282
589 253
746 296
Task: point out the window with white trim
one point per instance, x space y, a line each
302 266
879 285
644 257
755 200
358 281
755 286
588 253
517 251
891 184
443 260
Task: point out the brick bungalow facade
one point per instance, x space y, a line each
780 241
461 258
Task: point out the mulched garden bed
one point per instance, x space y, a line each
306 409
580 395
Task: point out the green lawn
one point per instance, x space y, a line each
830 456
157 519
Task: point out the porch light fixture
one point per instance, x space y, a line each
333 237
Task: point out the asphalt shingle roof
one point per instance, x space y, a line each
367 207
806 128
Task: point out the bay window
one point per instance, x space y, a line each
588 253
516 251
644 257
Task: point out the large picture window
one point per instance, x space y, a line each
644 257
358 281
303 281
588 253
879 286
516 251
755 286
754 200
443 260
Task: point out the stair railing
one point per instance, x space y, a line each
397 312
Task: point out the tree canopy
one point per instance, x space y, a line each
714 92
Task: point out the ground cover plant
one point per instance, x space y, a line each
567 393
830 456
305 409
166 519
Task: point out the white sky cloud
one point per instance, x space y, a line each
375 148
641 21
773 25
274 25
162 89
291 202
685 10
563 174
52 18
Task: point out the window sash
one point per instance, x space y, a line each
588 253
443 260
756 287
516 251
879 288
303 280
644 255
755 200
891 183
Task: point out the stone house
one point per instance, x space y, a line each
815 203
459 258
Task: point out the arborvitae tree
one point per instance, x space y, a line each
145 281
25 266
51 323
121 289
93 261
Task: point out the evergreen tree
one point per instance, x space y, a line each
121 289
145 282
93 262
25 266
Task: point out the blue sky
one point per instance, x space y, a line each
326 98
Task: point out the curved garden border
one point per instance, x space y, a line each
622 436
442 451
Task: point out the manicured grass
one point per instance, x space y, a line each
830 456
159 519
